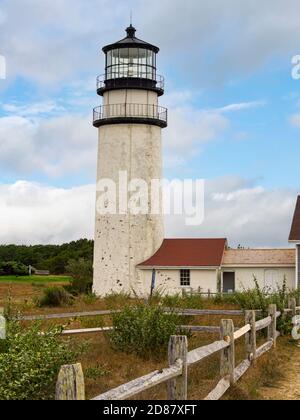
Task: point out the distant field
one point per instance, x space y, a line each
35 279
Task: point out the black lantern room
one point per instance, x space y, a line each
130 63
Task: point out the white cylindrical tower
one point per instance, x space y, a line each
130 123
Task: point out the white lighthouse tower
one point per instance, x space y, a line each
129 123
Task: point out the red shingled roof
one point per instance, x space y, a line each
295 230
188 253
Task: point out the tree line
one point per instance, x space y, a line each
54 258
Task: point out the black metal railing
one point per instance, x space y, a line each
131 111
129 79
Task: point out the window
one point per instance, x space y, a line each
185 278
131 62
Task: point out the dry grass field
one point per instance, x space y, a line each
106 368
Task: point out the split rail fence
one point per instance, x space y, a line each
70 384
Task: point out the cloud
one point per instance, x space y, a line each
294 120
34 214
241 106
32 110
219 41
56 40
50 139
236 208
53 147
243 212
190 128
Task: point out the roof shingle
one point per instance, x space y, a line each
188 253
259 257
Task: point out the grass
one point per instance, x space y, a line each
35 279
106 368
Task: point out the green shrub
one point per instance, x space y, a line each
55 297
81 272
143 330
260 299
13 268
30 362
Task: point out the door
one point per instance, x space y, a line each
271 280
228 282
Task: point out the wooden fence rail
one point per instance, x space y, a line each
179 311
180 360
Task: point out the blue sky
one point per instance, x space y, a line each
233 104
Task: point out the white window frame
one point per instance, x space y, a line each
185 276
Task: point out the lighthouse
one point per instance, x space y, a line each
130 123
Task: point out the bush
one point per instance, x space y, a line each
13 268
55 297
260 299
143 330
30 362
81 272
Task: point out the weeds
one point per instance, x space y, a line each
143 330
96 372
55 297
117 300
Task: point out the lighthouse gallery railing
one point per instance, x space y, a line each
131 111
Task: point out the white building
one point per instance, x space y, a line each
130 251
207 265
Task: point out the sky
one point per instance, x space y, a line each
234 112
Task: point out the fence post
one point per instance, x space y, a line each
2 325
250 318
178 349
272 329
228 354
292 306
70 384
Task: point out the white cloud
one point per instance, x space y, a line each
53 40
44 138
241 106
33 214
32 110
295 120
246 214
53 147
191 128
218 41
235 208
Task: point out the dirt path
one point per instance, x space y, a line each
288 388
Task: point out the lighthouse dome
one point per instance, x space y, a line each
131 41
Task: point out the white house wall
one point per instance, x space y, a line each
168 281
244 277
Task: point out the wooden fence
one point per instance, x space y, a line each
70 384
181 360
